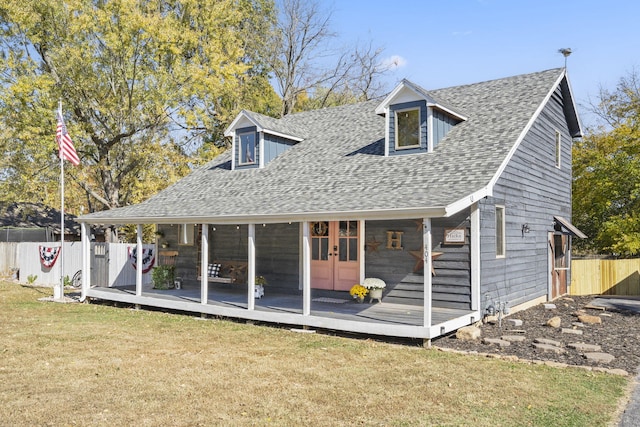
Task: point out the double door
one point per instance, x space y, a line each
335 255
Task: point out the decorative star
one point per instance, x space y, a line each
418 254
419 224
372 245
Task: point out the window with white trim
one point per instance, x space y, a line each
247 152
558 149
407 124
501 235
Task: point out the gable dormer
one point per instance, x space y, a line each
415 121
258 139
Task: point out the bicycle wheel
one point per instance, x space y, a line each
76 282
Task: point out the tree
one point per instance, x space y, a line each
144 84
306 66
606 186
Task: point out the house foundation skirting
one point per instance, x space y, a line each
289 318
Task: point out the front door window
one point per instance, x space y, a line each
334 254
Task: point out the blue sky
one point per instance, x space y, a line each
449 43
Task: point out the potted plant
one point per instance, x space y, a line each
260 282
358 292
375 287
163 276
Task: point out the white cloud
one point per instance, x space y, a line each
394 62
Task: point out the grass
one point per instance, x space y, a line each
92 364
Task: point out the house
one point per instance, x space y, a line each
34 222
458 198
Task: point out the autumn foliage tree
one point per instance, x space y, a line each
606 166
144 85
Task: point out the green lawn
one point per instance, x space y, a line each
91 364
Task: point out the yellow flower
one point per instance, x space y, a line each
358 291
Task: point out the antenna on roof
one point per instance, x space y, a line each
565 51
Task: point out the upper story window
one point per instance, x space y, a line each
247 154
558 149
407 128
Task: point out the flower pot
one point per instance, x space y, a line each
375 294
259 291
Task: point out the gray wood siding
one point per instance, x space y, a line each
423 127
442 124
532 190
236 154
274 146
451 286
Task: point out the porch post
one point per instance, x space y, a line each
85 233
426 242
306 269
251 270
475 257
204 264
361 249
139 259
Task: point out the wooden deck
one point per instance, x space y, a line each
330 310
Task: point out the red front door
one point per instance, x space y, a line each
335 260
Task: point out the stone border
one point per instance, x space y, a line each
512 358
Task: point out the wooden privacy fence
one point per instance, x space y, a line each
605 277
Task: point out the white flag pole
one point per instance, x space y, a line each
58 293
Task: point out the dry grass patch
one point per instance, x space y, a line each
89 364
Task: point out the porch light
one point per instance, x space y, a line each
525 228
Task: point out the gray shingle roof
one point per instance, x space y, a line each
340 169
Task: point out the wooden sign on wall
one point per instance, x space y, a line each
454 236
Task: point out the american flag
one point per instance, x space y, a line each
65 145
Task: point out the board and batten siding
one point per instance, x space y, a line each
532 190
274 146
442 124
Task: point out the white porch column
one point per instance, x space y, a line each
251 270
204 264
85 233
306 269
426 242
475 257
362 250
139 259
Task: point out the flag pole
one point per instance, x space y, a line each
58 293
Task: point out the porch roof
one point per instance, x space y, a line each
340 171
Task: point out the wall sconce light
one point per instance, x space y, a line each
525 228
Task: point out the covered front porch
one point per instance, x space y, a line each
414 305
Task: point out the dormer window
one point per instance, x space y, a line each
247 148
407 128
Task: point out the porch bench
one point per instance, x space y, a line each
229 271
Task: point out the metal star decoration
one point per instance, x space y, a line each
372 245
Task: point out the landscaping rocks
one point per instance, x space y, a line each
599 357
572 331
468 333
515 323
617 336
580 346
496 341
589 319
554 322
